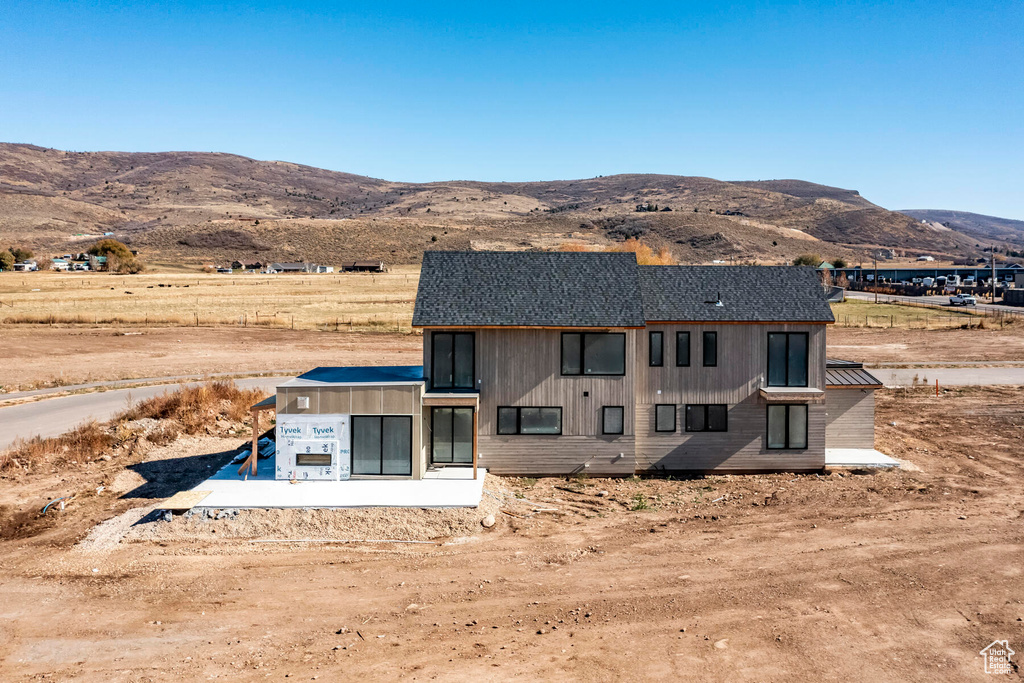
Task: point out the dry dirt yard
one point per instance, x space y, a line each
876 576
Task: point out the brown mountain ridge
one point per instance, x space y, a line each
197 207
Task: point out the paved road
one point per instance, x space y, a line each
904 377
934 300
53 416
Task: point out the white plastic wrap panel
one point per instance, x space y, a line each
315 429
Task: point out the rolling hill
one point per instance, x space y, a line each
976 224
193 208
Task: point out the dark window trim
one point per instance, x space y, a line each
689 349
433 431
705 406
807 359
622 422
675 418
519 420
787 447
433 358
352 446
650 349
703 349
583 360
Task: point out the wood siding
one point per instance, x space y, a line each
522 367
850 421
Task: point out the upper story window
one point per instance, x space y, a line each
593 353
451 365
710 349
656 349
682 349
787 359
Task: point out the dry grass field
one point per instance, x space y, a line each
366 301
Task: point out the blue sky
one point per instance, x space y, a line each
915 104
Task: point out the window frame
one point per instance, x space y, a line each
807 359
675 418
650 349
689 348
583 351
713 334
519 421
704 407
807 427
604 420
433 360
352 443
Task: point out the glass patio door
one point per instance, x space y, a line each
451 436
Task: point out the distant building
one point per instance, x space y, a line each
364 267
60 264
294 267
925 257
26 266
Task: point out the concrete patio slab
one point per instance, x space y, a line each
442 488
858 457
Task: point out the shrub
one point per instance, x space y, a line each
639 502
6 260
20 254
839 262
195 407
83 443
807 260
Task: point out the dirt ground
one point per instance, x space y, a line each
875 345
41 356
895 575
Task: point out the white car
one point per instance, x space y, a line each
962 300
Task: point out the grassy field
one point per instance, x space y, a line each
854 313
357 300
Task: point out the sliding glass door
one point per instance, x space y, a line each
382 444
451 436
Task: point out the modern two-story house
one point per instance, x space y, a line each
560 363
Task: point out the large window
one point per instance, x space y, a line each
529 420
787 359
612 421
710 349
682 349
787 426
656 349
382 444
452 361
451 436
593 353
707 418
665 417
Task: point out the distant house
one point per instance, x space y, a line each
887 254
237 265
294 267
26 266
97 262
365 267
60 264
925 257
825 264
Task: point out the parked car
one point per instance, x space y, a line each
962 300
968 281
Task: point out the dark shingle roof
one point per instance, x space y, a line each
748 294
535 289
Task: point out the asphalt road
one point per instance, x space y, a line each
934 300
53 416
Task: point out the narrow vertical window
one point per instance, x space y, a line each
787 359
665 417
683 349
710 349
655 349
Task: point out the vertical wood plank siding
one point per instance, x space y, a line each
522 367
736 380
851 418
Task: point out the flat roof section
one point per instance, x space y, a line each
378 374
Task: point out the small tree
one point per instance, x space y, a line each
120 259
839 262
6 260
20 254
807 260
